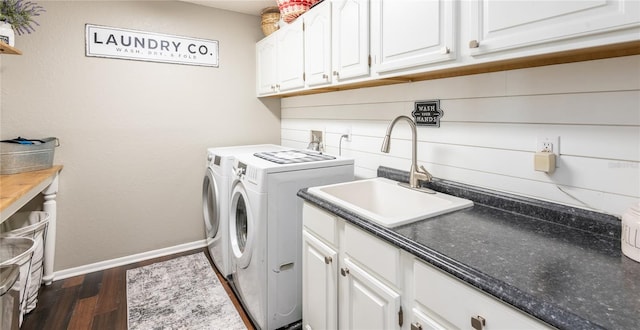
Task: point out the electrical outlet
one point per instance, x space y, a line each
548 144
316 140
316 136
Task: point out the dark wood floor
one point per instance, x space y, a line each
96 300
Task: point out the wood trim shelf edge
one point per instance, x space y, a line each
6 49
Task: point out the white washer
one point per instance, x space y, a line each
215 199
265 223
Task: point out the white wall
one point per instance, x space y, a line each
134 134
491 122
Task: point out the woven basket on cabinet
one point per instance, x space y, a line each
291 9
270 18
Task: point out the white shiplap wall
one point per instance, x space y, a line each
489 129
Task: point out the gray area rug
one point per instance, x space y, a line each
182 293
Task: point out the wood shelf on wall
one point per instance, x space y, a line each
6 49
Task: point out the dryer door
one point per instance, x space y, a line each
241 226
210 210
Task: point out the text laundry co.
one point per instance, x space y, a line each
146 46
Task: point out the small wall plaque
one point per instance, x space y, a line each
427 113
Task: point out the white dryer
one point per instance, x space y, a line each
215 199
265 223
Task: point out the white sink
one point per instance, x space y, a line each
385 202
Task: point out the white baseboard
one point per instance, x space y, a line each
102 265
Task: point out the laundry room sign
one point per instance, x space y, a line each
110 42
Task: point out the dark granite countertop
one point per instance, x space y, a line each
560 264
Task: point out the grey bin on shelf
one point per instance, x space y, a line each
17 158
32 225
18 251
9 297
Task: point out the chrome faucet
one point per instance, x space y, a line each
415 174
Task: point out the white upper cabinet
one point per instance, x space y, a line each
350 39
498 25
291 56
317 46
349 42
280 60
266 62
408 33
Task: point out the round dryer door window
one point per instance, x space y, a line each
210 205
241 225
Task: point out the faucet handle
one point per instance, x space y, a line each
426 175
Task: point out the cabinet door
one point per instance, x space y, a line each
319 284
409 33
456 303
365 301
266 63
422 321
350 39
317 46
502 25
291 56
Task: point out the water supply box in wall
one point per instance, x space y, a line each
22 155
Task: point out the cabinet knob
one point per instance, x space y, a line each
478 322
325 76
474 44
344 271
445 50
327 260
416 326
336 73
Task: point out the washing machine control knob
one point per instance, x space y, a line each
239 171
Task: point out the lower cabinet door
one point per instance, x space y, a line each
461 305
365 301
421 321
319 284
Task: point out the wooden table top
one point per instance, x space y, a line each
14 186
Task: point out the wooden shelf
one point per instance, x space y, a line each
6 49
17 189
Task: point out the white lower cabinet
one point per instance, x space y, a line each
365 301
422 321
339 290
354 280
320 302
447 302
